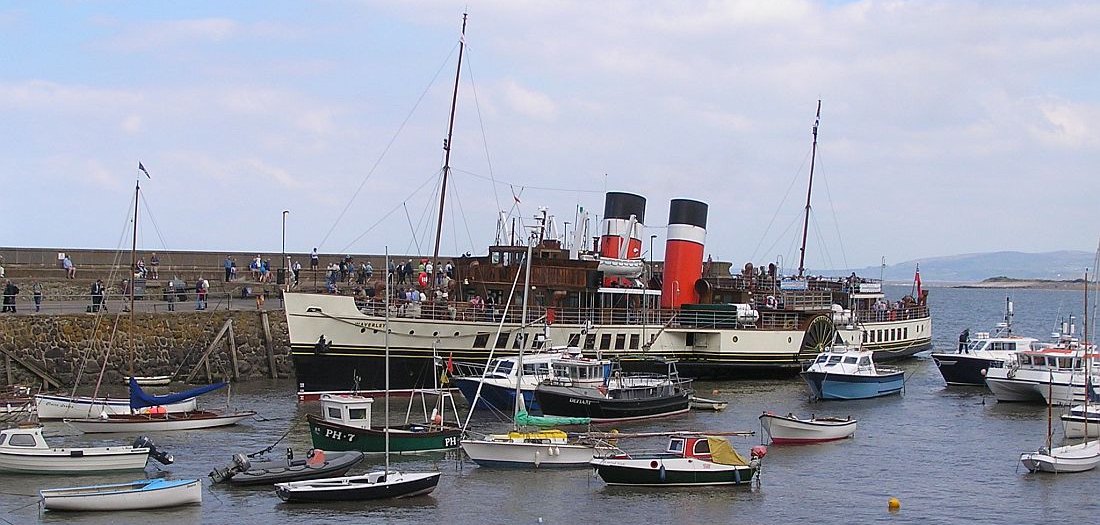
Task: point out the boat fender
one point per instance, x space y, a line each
661 473
437 418
759 451
316 457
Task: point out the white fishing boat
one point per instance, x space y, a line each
790 430
1053 370
24 450
76 407
137 495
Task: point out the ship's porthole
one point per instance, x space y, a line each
456 334
435 334
735 338
411 332
789 339
362 330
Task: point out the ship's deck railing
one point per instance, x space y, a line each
912 311
537 315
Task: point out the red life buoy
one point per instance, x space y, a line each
423 279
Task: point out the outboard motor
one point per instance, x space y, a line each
240 464
163 457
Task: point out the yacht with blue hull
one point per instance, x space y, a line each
843 373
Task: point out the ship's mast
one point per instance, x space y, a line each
133 266
447 156
809 190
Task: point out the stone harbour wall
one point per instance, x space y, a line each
164 344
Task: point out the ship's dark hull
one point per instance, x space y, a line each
963 369
573 402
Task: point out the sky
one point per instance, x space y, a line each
946 127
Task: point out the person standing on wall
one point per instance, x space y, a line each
97 294
36 289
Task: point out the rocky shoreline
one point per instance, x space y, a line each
68 346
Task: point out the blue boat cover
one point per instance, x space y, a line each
140 399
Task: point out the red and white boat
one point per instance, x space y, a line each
790 430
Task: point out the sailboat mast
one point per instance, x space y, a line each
447 156
1088 361
386 340
523 332
133 265
809 191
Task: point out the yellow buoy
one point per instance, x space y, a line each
894 505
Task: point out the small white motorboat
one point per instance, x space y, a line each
23 450
790 430
136 495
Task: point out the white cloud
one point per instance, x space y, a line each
528 102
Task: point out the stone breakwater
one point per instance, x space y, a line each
164 344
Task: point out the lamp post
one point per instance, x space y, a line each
286 280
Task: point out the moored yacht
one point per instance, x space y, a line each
1052 372
497 380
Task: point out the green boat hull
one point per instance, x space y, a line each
403 438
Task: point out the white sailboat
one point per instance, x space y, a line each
1078 457
384 484
76 407
541 448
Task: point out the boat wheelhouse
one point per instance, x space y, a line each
345 424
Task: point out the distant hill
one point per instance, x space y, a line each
974 267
